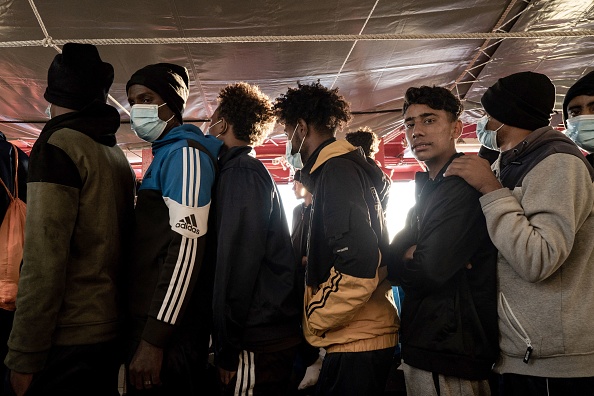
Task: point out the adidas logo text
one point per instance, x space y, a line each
188 223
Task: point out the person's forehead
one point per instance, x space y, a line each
137 90
580 100
421 110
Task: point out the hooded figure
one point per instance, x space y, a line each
80 202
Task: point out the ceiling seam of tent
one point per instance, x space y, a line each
482 48
196 77
354 43
552 48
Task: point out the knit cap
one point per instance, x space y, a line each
170 81
77 77
523 100
583 86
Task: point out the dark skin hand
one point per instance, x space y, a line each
20 382
475 171
145 368
226 376
408 255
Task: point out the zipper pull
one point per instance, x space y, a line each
527 354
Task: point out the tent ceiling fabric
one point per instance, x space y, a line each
372 74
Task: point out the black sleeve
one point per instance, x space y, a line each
244 208
449 234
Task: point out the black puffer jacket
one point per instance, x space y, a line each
449 312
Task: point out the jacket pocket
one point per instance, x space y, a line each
515 340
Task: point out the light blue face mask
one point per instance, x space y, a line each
145 121
211 125
294 159
487 137
580 129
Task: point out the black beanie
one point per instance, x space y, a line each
523 100
170 81
77 77
583 86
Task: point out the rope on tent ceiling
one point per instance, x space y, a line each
499 26
354 44
49 41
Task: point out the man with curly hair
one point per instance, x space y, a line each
349 309
365 138
256 307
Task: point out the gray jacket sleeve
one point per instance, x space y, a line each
534 226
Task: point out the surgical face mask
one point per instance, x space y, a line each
208 129
48 111
145 121
580 129
487 137
294 159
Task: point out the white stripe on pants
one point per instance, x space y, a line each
246 374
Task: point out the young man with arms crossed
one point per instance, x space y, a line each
444 261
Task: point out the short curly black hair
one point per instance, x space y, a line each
438 98
249 110
366 139
315 104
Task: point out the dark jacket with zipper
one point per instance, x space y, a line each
255 303
168 285
80 207
348 304
449 313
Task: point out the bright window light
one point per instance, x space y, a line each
402 198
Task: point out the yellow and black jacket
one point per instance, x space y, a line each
349 305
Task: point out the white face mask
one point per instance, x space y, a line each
48 111
208 129
294 159
580 129
145 121
487 137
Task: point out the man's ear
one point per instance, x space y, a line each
457 131
301 128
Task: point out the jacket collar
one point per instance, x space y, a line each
424 176
234 152
331 150
97 120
